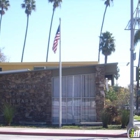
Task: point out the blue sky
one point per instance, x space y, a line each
81 22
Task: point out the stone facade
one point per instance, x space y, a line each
100 88
30 94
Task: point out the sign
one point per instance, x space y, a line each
133 132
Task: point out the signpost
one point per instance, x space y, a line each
138 86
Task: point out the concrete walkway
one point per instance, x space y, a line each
63 132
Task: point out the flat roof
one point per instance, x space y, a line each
31 65
50 63
110 68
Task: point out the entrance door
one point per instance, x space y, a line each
78 99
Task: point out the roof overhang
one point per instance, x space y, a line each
31 65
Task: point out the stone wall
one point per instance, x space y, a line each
100 88
29 93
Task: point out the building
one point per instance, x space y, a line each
34 93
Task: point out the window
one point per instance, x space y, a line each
78 99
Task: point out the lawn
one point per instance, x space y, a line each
110 127
137 118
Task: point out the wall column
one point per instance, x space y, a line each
100 90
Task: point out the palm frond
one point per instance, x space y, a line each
4 5
23 5
107 2
29 6
51 1
56 3
107 44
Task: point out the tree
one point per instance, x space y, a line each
107 4
107 44
4 4
117 96
111 94
56 3
3 58
117 75
29 6
123 97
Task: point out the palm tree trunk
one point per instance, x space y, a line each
105 59
0 22
25 38
101 32
49 35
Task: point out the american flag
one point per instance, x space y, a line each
55 42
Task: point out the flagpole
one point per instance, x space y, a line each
60 79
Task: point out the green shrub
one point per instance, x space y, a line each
117 120
105 119
8 112
113 112
124 118
111 94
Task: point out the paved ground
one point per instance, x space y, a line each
25 137
65 132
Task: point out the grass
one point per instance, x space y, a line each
137 118
110 127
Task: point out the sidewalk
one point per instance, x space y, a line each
66 132
63 132
137 123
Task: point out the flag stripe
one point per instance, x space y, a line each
56 39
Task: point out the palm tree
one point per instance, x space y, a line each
4 4
107 44
107 3
29 6
56 3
